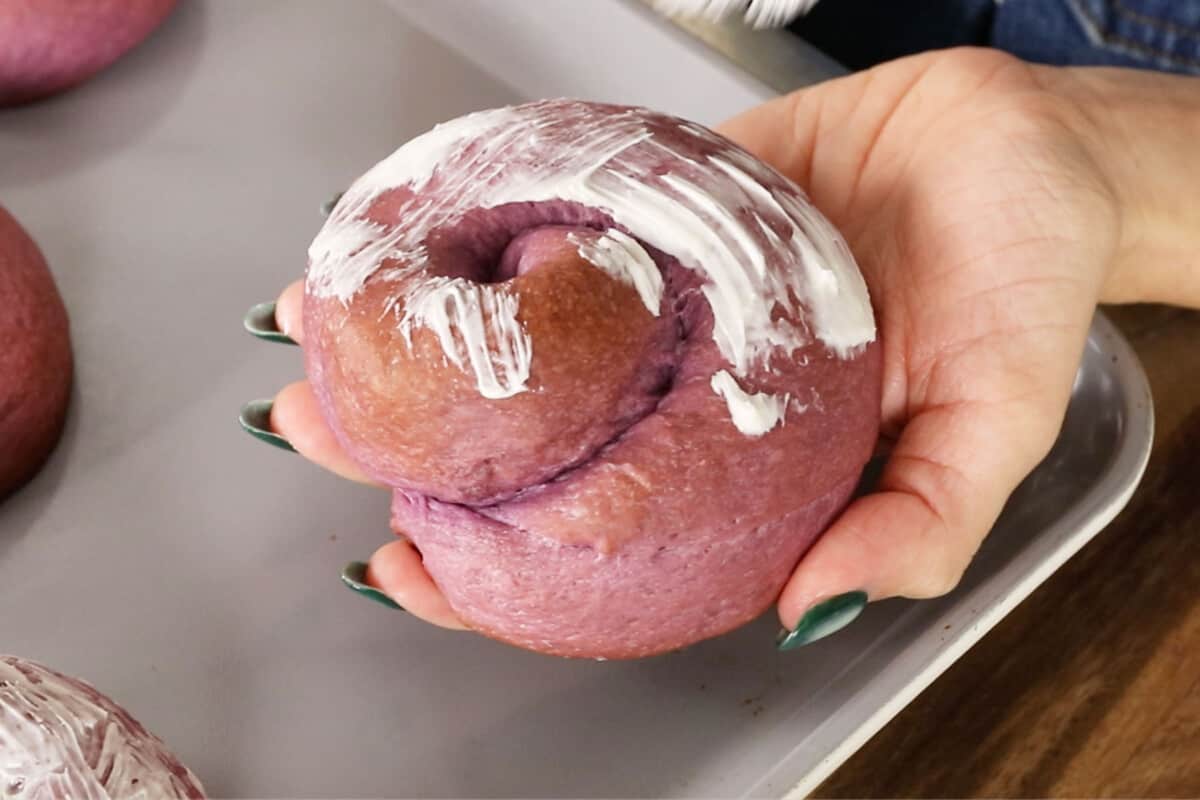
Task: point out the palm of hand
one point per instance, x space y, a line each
984 233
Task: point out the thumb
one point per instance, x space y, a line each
941 491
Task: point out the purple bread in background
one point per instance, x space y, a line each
619 373
60 739
48 46
35 357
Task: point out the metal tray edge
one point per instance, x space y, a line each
1112 493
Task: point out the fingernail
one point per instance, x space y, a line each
823 619
260 322
354 575
327 206
255 419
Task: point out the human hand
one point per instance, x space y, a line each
987 230
991 204
986 233
394 574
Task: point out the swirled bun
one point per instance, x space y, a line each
64 740
35 357
48 46
620 373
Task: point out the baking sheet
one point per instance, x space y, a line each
192 572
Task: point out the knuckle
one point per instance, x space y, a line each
943 579
942 568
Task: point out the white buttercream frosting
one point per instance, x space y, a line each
60 738
622 258
752 414
477 327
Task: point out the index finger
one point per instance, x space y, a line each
289 311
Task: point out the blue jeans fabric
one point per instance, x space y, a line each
1150 34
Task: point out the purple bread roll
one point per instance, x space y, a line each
48 46
619 373
35 357
60 739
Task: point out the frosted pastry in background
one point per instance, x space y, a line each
47 46
60 739
35 357
619 373
755 13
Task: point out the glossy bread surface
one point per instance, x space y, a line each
35 357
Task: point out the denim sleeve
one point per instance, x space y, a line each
1150 34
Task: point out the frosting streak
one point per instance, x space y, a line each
622 258
752 414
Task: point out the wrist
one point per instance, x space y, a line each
1142 131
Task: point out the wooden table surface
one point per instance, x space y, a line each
1091 687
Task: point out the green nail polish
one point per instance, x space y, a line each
823 619
260 321
328 206
354 575
255 419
